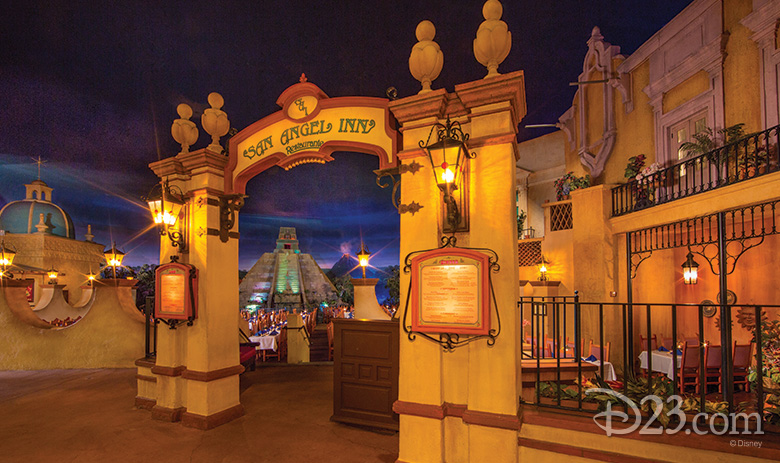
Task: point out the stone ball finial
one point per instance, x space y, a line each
215 121
493 42
426 59
184 131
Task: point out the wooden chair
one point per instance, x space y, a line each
741 358
713 363
653 342
668 343
330 341
271 354
595 350
689 366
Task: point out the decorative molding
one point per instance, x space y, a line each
213 375
171 415
145 403
411 208
764 23
168 371
439 412
600 58
572 451
151 379
202 422
145 362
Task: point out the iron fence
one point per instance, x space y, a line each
555 330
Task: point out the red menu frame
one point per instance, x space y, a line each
173 298
451 292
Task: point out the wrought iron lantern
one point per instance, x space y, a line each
363 256
166 204
113 257
690 270
52 274
542 265
448 159
6 255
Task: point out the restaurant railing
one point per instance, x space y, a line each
554 321
751 156
150 329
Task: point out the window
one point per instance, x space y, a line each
683 132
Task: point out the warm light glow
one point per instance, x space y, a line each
364 261
165 207
6 256
543 268
113 257
448 176
53 274
690 270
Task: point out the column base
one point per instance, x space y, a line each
192 420
167 414
145 403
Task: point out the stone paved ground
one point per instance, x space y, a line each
88 416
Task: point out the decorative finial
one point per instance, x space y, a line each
426 60
494 40
184 131
303 78
89 236
215 121
40 163
41 226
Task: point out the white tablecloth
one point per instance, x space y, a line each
609 370
265 342
662 362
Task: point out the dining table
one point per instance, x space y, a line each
266 341
663 362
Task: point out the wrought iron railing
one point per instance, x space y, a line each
555 331
150 329
751 156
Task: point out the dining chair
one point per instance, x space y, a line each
330 341
713 364
689 366
741 358
653 342
595 350
667 342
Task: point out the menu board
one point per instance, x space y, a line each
450 292
173 298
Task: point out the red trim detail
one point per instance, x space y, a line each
416 409
491 420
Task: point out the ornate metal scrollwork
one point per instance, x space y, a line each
742 245
450 341
228 206
640 257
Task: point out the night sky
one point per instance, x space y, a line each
92 88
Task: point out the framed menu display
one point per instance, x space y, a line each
450 292
176 290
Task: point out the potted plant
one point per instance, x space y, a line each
708 141
569 183
770 349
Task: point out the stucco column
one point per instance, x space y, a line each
463 405
207 352
297 344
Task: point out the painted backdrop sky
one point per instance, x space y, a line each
92 88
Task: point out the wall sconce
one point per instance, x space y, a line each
53 274
6 259
690 270
91 278
448 159
114 257
542 264
166 204
362 256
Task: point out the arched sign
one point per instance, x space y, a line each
308 129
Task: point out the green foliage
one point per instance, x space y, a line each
393 285
521 216
569 183
145 287
634 166
707 140
344 288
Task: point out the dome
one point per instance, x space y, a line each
22 216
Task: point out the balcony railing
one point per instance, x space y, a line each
749 157
572 346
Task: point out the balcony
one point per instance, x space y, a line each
749 157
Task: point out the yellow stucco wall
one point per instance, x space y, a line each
634 129
687 90
741 70
107 337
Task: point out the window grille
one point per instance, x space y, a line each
561 217
529 253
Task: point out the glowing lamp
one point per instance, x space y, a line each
690 270
166 204
362 256
448 158
90 278
542 265
52 274
6 256
113 257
